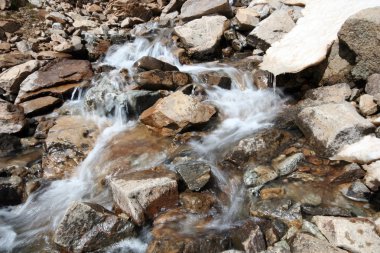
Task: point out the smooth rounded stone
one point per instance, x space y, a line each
172 114
216 79
88 227
197 202
12 119
281 209
270 30
150 63
325 210
357 191
201 37
373 85
348 173
327 134
286 165
255 242
353 234
40 105
247 18
143 194
367 105
11 190
258 176
193 9
304 243
161 80
195 174
11 79
363 151
330 94
360 34
68 143
372 177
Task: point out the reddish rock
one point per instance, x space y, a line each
40 105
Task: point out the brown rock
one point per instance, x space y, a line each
40 105
196 202
193 9
216 79
9 25
150 63
157 80
172 114
12 119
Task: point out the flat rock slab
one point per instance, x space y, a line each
353 234
331 126
142 195
88 227
193 9
40 105
305 243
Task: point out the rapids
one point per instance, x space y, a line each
243 110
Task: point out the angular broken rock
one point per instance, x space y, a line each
373 85
305 243
142 195
367 105
201 36
12 119
372 178
150 63
247 18
193 9
172 114
195 174
157 79
331 126
270 30
255 242
330 94
40 105
353 234
88 227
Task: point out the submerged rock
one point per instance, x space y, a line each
176 112
88 227
157 79
197 202
142 195
353 234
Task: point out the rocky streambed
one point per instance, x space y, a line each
158 126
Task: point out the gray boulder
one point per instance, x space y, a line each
193 9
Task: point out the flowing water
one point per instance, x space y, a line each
243 110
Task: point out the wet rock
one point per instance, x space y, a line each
195 174
216 79
247 18
202 36
270 30
262 146
367 105
13 59
281 209
357 191
325 211
96 47
363 44
156 79
258 176
40 105
286 165
279 247
349 173
11 190
43 128
11 79
372 177
142 195
304 243
88 227
12 119
140 100
193 9
320 125
150 63
69 141
197 202
176 112
255 242
373 85
8 144
363 151
56 73
353 234
330 94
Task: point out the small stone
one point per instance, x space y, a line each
286 165
372 177
195 174
258 176
195 202
367 105
357 191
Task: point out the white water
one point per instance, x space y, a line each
243 110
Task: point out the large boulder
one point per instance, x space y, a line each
55 74
331 126
157 79
353 234
12 119
270 30
193 9
88 227
172 114
68 142
143 194
361 34
202 36
305 243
